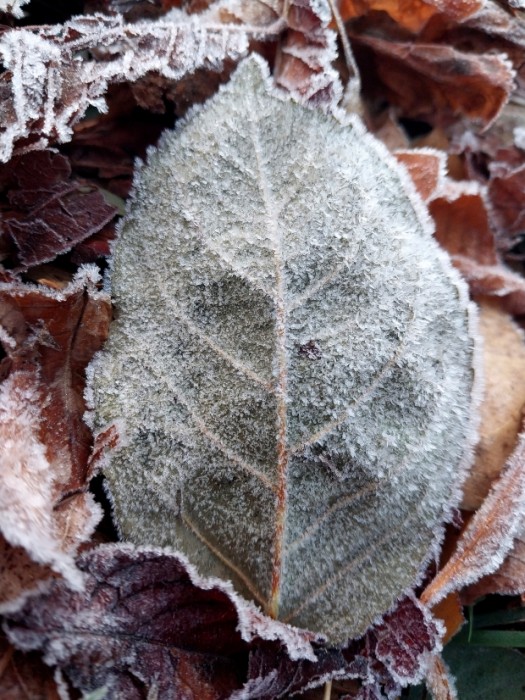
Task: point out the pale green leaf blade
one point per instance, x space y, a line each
292 358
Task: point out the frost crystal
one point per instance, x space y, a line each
292 357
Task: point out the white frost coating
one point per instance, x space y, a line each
293 357
26 480
13 8
490 534
53 82
519 137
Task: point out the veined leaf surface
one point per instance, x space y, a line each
292 357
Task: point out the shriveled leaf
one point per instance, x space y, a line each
49 213
304 59
503 401
490 533
435 82
147 623
49 338
70 325
49 84
508 579
145 619
292 357
413 16
439 681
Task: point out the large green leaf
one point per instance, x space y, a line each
292 358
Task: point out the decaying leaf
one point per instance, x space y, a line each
292 358
48 212
49 338
145 618
48 84
24 676
503 405
489 535
435 82
147 623
13 7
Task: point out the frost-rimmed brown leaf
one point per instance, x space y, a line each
293 359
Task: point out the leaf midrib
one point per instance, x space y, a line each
281 388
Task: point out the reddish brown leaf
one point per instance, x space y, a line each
303 61
489 535
71 325
426 167
49 213
463 229
18 572
24 676
434 82
507 195
146 621
140 623
49 338
412 15
462 226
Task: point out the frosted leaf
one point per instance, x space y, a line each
292 357
490 534
52 83
49 336
13 8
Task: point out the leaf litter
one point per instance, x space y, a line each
491 158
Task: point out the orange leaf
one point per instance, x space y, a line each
490 534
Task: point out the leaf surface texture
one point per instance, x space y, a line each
292 357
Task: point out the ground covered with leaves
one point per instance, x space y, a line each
86 88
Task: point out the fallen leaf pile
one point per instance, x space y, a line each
442 85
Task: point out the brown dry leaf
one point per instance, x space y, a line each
509 579
506 190
46 212
25 676
463 229
426 167
503 402
51 77
412 15
438 680
146 613
434 82
489 535
18 572
49 338
304 57
450 612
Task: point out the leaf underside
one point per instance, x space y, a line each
292 359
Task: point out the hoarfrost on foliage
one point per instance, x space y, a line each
293 360
52 83
490 534
26 515
13 8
